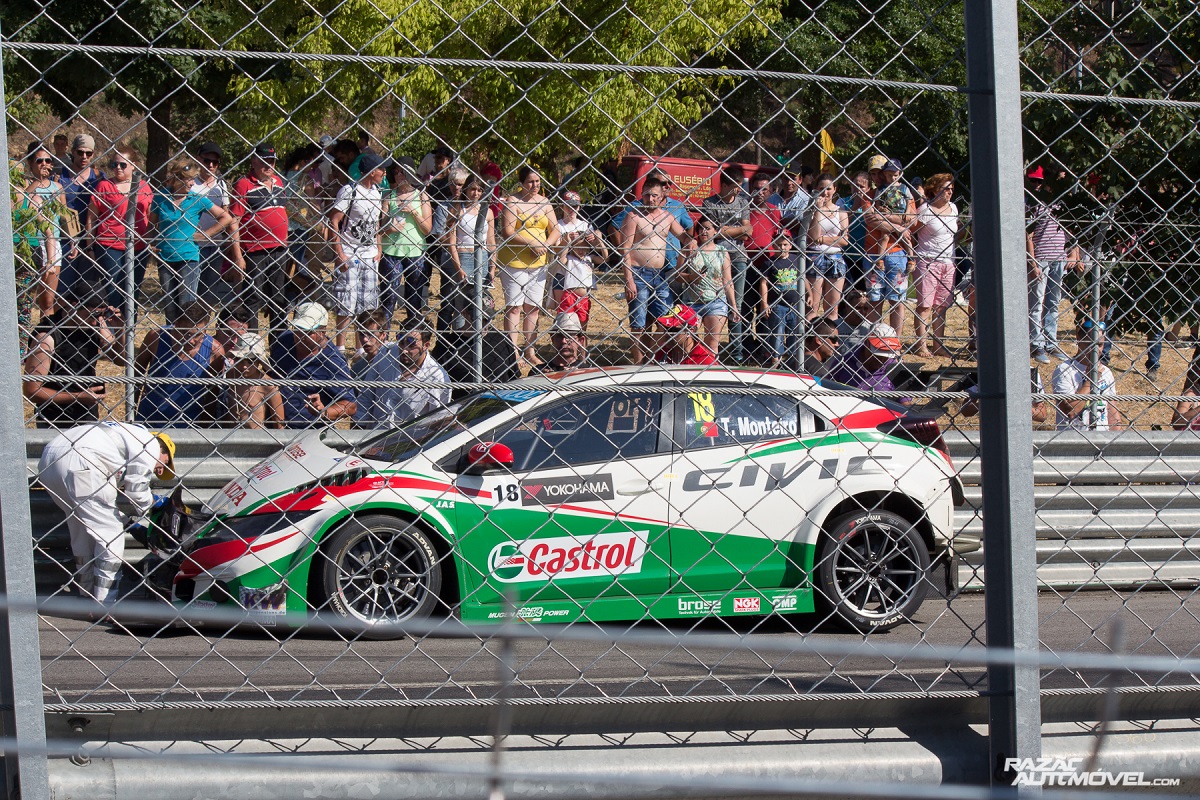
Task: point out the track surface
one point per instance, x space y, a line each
87 662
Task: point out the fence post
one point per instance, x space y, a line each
1006 424
21 711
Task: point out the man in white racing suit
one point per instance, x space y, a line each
99 475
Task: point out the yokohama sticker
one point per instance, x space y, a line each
554 491
560 558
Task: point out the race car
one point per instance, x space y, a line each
614 494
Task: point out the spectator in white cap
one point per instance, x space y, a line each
869 367
570 345
304 353
259 405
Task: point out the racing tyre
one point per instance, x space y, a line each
872 569
380 570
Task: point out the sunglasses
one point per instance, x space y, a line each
83 153
211 162
118 165
43 161
409 343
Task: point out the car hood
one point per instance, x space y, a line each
302 465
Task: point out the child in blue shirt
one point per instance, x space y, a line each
781 301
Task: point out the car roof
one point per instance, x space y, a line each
673 373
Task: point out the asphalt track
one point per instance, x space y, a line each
90 662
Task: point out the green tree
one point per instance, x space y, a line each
176 95
1141 158
512 113
919 41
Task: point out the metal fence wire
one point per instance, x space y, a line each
348 330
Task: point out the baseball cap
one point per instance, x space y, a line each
250 345
567 322
264 151
876 162
1036 173
210 149
893 165
680 316
369 162
325 141
882 340
310 317
570 198
169 472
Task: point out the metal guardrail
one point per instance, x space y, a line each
1114 509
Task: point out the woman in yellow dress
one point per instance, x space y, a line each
530 230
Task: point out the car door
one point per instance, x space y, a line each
744 482
583 512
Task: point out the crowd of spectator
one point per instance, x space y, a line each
777 271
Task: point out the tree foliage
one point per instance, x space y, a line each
514 113
177 95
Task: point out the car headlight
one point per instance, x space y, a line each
228 529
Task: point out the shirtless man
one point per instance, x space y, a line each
644 244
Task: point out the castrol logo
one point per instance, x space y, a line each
567 557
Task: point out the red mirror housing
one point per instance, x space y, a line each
486 457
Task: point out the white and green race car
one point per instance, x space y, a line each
603 495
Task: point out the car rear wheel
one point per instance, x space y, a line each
872 570
381 570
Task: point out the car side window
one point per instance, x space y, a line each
586 429
712 419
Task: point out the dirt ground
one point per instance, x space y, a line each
611 345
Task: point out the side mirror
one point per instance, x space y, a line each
487 457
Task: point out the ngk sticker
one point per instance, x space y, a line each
560 558
746 605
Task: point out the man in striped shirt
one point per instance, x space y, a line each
1050 255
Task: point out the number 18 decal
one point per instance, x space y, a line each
505 493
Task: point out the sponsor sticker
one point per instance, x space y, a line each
553 491
568 557
530 613
695 607
784 602
747 605
235 492
295 452
262 471
267 600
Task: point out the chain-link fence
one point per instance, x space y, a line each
338 321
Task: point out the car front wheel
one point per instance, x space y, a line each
872 570
380 571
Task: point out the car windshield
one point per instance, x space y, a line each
438 426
